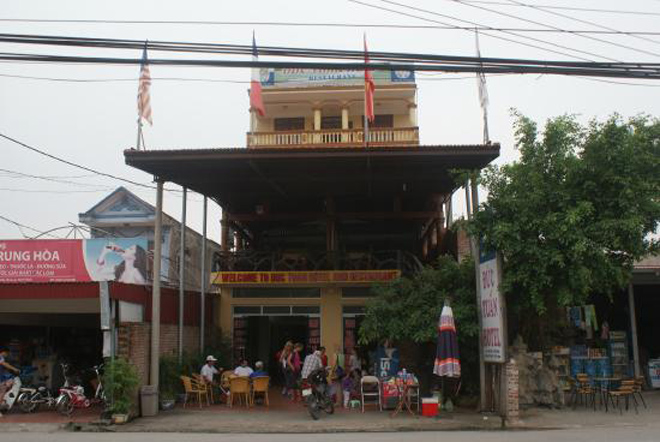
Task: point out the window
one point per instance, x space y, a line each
284 124
356 292
331 123
275 292
383 121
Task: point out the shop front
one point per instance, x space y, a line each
264 310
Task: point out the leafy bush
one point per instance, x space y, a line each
121 382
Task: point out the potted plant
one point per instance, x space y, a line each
169 381
121 382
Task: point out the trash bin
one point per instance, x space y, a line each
149 400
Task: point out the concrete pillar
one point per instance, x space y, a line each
344 118
331 318
412 114
317 119
224 318
155 290
182 272
633 329
202 279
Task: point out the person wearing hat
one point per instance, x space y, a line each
209 370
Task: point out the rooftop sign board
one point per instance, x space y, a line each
291 77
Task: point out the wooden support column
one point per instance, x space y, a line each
224 232
331 225
633 329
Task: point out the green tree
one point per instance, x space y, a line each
574 213
407 311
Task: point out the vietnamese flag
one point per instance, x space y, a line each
369 87
256 102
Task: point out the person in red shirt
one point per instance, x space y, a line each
324 357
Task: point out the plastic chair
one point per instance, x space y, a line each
239 387
372 390
260 386
625 391
203 385
639 384
191 388
584 390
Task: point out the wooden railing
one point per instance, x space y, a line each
335 137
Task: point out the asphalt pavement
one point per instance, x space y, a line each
633 434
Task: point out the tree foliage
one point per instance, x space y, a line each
575 212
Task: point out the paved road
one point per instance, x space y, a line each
628 434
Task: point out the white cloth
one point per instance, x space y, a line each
243 371
208 371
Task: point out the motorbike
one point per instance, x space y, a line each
31 399
70 396
316 394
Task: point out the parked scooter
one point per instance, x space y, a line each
316 394
71 396
31 399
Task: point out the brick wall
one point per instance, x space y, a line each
134 343
512 392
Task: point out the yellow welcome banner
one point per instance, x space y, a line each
305 277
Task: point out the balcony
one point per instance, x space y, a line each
252 261
335 138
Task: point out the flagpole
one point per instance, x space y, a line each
139 132
366 123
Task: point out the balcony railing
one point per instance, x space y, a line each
335 137
248 260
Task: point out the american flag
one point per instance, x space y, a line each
144 98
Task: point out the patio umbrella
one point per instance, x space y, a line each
447 360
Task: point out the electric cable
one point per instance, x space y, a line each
589 22
319 24
486 32
20 225
526 20
572 8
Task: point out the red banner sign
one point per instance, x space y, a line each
68 260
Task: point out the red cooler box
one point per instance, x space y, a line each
429 407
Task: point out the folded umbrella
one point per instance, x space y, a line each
447 360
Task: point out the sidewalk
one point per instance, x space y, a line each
284 417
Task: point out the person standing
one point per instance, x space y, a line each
283 363
6 379
294 362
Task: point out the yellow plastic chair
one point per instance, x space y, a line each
191 388
203 385
260 386
239 387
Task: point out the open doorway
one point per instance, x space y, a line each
261 337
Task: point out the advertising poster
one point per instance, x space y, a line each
74 260
492 318
295 77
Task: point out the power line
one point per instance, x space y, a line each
526 20
571 8
70 163
486 33
15 174
210 80
5 189
317 25
20 225
598 25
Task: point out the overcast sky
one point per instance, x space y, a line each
91 123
